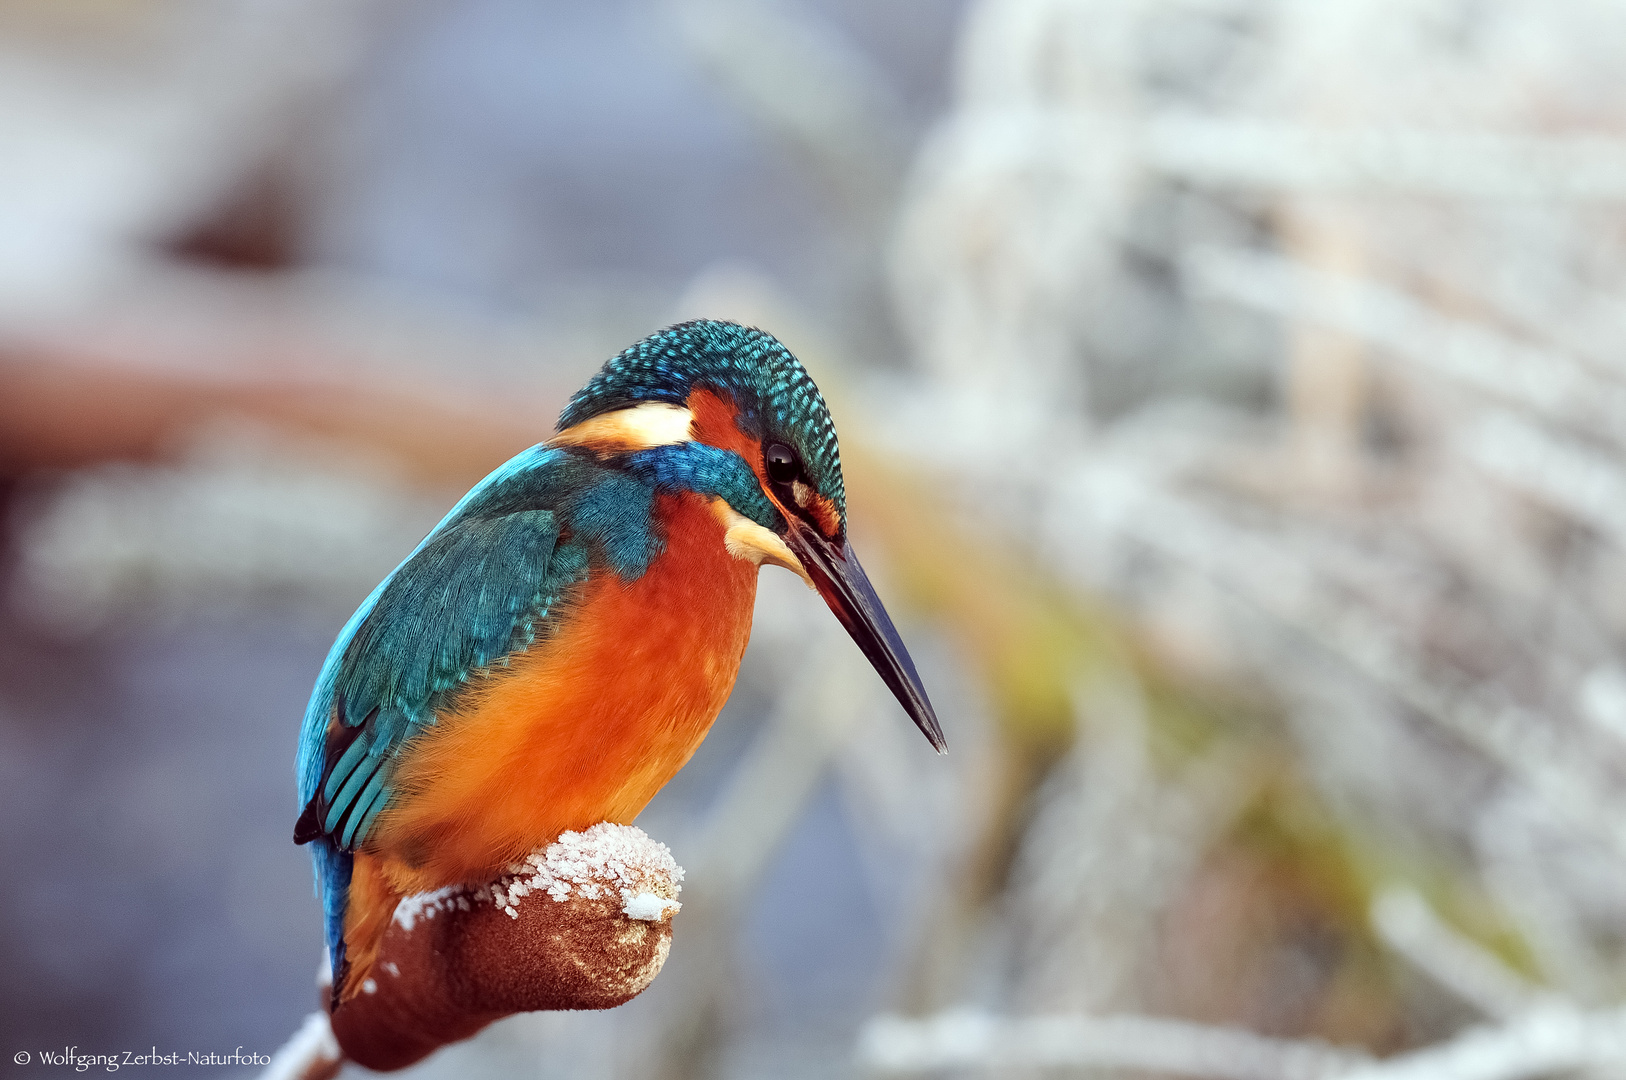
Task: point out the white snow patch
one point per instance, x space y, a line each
647 906
424 905
603 858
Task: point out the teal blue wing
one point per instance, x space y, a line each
475 593
483 585
486 583
479 588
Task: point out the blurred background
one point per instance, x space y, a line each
1234 401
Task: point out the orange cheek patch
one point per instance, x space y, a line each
716 423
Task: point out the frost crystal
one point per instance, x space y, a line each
605 857
647 906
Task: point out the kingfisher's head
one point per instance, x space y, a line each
727 411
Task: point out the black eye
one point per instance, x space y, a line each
782 467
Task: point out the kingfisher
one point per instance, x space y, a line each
558 646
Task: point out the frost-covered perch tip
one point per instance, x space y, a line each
605 859
585 923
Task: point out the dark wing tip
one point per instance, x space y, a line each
309 825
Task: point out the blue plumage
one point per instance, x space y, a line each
501 573
479 585
486 583
693 466
775 395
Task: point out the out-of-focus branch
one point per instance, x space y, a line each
583 924
965 1039
1275 156
1462 163
65 411
1472 354
1559 470
1546 1041
312 1054
1283 586
1413 929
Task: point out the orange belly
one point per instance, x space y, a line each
584 728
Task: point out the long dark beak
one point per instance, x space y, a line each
842 582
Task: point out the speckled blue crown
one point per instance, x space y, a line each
775 395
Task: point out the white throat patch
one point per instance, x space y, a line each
747 540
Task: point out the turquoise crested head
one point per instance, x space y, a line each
727 412
707 366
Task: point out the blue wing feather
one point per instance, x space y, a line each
451 607
486 583
480 586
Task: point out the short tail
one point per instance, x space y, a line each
333 871
359 902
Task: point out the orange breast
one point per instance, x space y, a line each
584 728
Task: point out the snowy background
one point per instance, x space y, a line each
1234 400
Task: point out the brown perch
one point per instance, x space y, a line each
450 968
